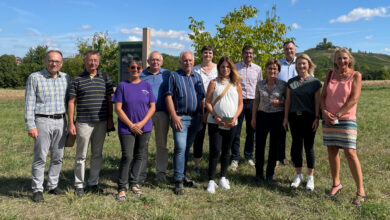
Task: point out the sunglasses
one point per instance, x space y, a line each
135 67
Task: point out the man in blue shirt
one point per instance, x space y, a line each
184 103
158 78
287 72
45 107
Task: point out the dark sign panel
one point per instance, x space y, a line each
127 52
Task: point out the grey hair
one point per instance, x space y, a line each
91 52
162 59
182 54
53 51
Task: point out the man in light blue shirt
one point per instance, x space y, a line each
158 78
287 72
45 107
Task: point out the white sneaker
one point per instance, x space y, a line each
296 181
224 183
211 187
233 165
310 183
252 163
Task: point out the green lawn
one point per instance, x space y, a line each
246 199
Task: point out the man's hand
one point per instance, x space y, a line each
110 123
176 121
71 129
33 132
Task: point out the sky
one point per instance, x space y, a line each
358 24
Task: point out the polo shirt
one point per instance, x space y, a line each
287 70
159 83
91 96
187 92
303 93
250 74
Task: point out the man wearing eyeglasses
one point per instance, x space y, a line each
287 72
158 78
91 93
45 107
251 74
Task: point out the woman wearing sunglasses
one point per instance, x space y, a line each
134 105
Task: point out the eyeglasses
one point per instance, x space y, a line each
57 62
135 67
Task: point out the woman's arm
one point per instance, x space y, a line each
149 114
209 99
287 103
317 101
240 106
354 97
326 116
123 117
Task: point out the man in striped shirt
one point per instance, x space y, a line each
45 107
91 92
184 103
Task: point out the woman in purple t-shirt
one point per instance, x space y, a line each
134 105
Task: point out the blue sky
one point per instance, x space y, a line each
358 24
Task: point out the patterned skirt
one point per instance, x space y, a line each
342 134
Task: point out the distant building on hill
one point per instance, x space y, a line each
18 60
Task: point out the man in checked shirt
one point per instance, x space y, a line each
45 107
251 74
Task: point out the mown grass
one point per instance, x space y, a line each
246 199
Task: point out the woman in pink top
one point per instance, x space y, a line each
339 99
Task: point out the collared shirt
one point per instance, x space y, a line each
45 95
287 70
303 93
91 96
250 74
206 78
265 96
159 83
187 92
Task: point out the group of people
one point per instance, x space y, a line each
217 96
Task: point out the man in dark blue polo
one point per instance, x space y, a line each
91 92
184 103
158 78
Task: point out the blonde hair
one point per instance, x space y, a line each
312 66
337 54
235 78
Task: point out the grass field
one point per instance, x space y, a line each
246 199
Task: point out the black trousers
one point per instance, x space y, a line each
198 143
302 136
134 159
220 141
267 123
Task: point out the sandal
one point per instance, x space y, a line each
359 199
136 190
330 195
121 197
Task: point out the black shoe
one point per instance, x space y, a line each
189 183
79 192
179 188
95 189
38 197
270 180
56 191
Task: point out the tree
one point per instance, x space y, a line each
266 37
36 55
171 63
8 72
73 66
109 53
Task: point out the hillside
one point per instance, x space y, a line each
372 66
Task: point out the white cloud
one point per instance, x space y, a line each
361 13
165 45
369 37
33 32
386 49
134 38
295 26
85 27
185 38
171 34
136 30
293 2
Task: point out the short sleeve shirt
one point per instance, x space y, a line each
206 78
159 83
303 93
265 96
135 99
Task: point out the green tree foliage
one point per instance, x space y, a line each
109 53
171 63
73 66
9 72
36 55
234 33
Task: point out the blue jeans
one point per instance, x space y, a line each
183 139
250 134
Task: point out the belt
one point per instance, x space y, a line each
247 101
55 116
